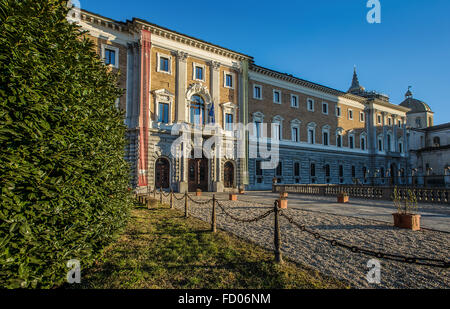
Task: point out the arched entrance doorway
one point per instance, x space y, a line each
162 173
228 175
198 174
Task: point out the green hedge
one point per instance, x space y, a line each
64 180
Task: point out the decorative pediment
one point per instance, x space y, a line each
296 121
198 89
278 118
258 116
229 105
163 95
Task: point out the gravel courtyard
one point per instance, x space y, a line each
334 261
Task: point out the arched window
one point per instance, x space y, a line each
197 110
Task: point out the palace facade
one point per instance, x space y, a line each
325 136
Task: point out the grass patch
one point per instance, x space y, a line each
162 250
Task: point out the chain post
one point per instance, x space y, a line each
277 235
147 201
171 199
186 214
213 219
160 195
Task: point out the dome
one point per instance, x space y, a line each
415 105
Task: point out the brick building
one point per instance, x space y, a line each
324 135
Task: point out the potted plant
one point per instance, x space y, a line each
406 216
283 203
343 197
241 190
198 192
233 195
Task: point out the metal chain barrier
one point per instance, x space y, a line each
263 216
197 202
380 255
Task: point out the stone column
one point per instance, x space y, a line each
218 185
180 114
181 86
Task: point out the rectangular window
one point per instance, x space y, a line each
353 171
350 114
276 131
325 138
229 122
297 169
163 113
295 137
258 129
380 145
110 57
276 96
338 111
325 108
351 142
313 170
311 136
310 105
279 170
199 73
361 117
164 64
341 171
257 92
399 123
339 140
259 171
363 144
294 101
400 147
229 80
379 119
390 121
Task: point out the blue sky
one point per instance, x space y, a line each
320 40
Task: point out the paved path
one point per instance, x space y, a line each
337 262
434 216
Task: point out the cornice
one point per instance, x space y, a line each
187 40
98 20
305 83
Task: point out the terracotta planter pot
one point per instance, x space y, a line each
241 191
233 197
283 203
198 193
284 195
407 221
343 198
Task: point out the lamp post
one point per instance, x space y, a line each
413 174
375 175
429 170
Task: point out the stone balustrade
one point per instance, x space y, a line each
424 195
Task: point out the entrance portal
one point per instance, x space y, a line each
198 174
229 175
162 174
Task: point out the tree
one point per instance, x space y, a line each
64 180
